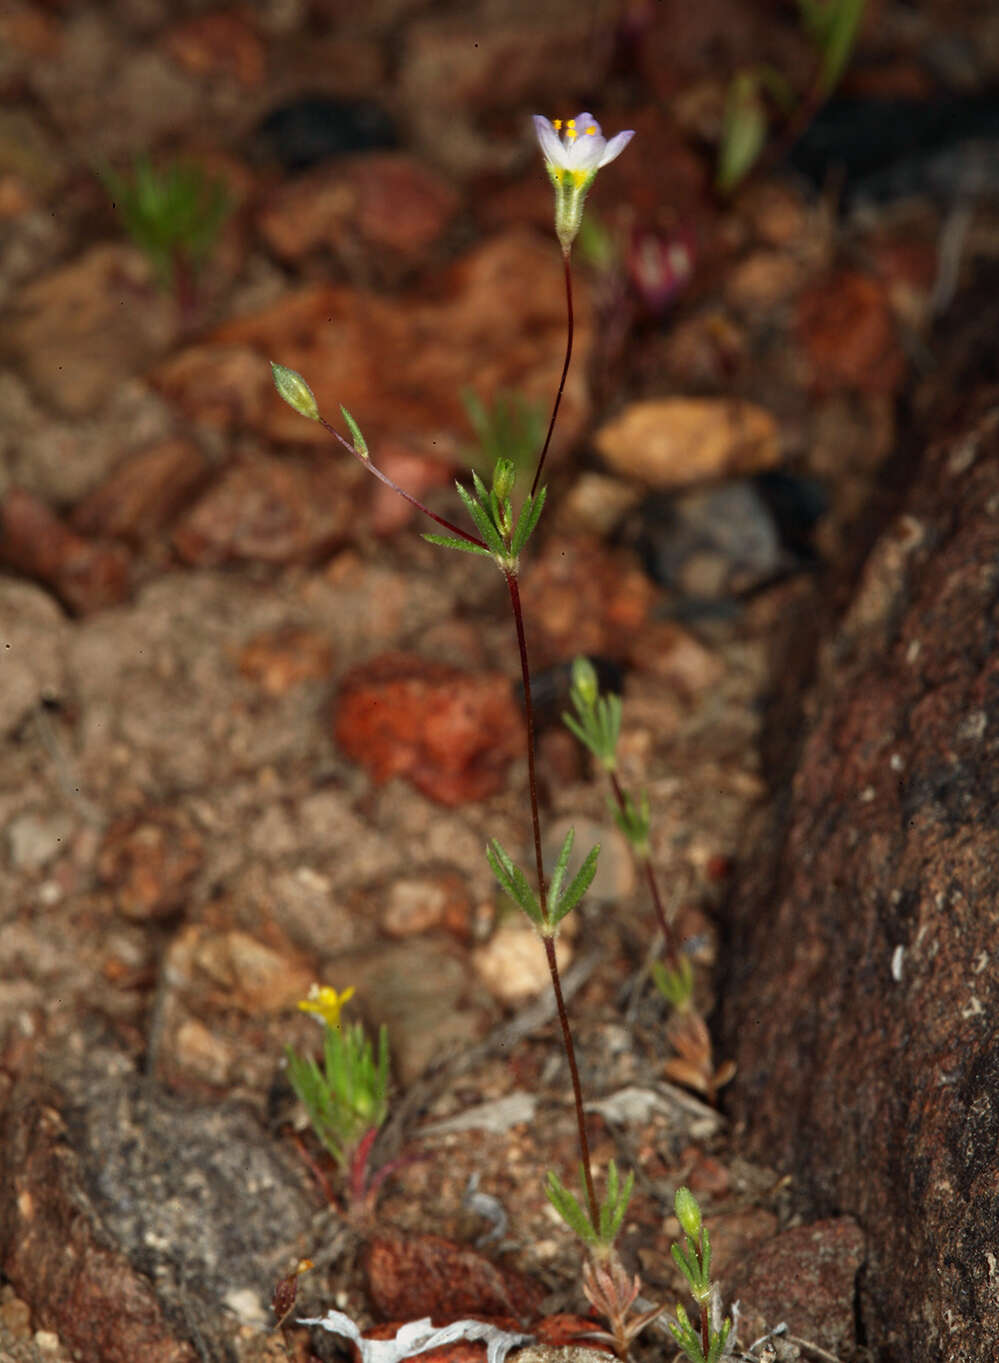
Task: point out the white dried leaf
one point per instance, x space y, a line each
418 1336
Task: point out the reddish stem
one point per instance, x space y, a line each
671 946
384 478
570 328
316 1172
563 1017
705 1329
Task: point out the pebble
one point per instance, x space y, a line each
677 442
513 966
35 839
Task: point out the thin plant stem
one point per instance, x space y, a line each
532 776
408 496
705 1329
671 946
563 1016
577 1091
570 329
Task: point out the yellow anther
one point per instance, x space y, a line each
591 131
557 124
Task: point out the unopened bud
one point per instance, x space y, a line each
295 391
688 1213
504 477
584 682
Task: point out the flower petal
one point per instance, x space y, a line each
615 147
551 147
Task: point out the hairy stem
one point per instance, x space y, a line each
570 328
408 496
563 1016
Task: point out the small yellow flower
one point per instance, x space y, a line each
326 1003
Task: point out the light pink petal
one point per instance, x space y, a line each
551 148
616 146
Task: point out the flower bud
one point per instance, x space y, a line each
688 1213
295 391
504 477
584 682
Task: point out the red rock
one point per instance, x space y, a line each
806 1276
427 1275
144 492
846 329
386 201
286 657
561 1331
84 574
267 510
150 860
451 733
220 44
399 364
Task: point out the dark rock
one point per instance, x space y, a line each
885 148
314 128
863 993
130 1219
712 543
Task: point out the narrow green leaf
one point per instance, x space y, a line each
486 528
584 736
453 542
568 1207
558 875
360 444
839 42
580 884
514 882
744 131
530 514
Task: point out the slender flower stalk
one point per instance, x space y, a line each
573 152
569 332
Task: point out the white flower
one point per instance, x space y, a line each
578 147
573 153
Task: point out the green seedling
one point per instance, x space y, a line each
693 1259
174 214
832 27
508 428
346 1096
